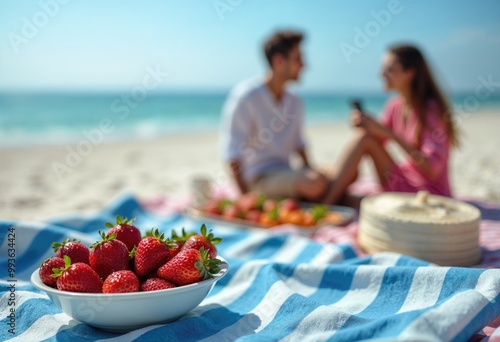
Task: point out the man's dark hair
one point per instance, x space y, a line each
281 42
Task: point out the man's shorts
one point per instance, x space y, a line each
277 184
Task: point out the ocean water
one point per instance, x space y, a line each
55 118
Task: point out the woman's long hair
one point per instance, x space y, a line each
424 89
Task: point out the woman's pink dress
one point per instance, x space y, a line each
435 147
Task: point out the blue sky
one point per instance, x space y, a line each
206 44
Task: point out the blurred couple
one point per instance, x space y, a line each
262 128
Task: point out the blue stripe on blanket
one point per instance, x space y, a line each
279 287
481 319
457 280
29 312
38 246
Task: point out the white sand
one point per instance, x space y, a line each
31 190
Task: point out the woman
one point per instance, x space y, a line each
418 119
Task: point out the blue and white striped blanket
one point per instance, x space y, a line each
279 287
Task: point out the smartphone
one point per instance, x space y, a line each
356 104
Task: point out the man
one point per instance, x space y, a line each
262 128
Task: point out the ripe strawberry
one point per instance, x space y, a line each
78 277
289 204
155 284
108 255
120 282
152 252
178 241
125 231
213 207
77 251
248 201
269 205
253 216
232 212
206 241
46 270
189 266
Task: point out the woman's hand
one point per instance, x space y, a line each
372 126
356 118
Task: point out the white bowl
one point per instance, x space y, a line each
121 312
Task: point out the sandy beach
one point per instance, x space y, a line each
37 183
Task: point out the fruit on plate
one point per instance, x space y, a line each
125 231
308 219
289 204
270 218
232 212
157 263
269 205
203 240
291 216
253 215
77 277
213 207
77 251
267 212
152 252
189 266
249 201
331 218
108 255
121 282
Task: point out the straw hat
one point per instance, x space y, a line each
437 229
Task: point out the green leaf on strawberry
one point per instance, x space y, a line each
131 254
181 238
105 238
57 245
208 267
210 236
121 220
59 271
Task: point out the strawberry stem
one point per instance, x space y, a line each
131 254
120 220
59 271
161 237
208 267
57 245
183 237
210 236
104 238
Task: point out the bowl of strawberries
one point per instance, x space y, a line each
125 281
